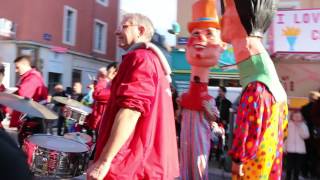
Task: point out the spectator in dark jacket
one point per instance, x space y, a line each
309 164
223 104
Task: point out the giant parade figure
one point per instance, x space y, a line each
259 131
198 107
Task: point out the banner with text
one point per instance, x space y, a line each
297 31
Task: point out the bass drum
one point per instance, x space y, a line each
56 157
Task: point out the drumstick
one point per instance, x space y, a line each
90 77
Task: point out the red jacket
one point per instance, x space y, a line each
3 108
151 151
30 85
101 95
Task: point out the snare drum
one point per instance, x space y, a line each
77 114
55 156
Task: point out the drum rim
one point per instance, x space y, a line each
86 146
79 110
80 133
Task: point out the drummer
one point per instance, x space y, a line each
76 93
30 84
101 96
59 91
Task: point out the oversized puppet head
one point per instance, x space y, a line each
243 18
204 45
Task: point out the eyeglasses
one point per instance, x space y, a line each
125 26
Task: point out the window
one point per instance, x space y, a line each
103 2
100 36
69 25
54 78
76 75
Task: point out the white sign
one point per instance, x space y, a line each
6 80
6 27
297 31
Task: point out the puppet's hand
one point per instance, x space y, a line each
214 125
208 107
237 169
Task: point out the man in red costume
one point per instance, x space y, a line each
137 138
30 85
101 95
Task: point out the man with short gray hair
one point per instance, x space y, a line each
137 138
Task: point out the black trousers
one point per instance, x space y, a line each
61 125
294 162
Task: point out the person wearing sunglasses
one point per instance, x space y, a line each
137 138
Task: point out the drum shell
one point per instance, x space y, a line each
46 162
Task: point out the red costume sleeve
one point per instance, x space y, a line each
101 91
4 108
253 113
138 86
28 87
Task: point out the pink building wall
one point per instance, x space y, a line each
36 17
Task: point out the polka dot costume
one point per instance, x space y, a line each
259 133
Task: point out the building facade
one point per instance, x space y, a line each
294 46
297 68
68 39
299 4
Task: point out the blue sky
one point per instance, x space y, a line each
162 13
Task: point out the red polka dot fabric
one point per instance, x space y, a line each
258 133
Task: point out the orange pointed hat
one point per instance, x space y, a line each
204 15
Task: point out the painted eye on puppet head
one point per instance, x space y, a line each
209 33
195 33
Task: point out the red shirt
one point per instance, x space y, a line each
3 108
101 95
151 151
30 85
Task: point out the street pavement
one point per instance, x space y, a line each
218 174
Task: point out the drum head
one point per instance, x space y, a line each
80 137
58 143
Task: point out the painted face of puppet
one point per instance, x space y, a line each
231 27
204 47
